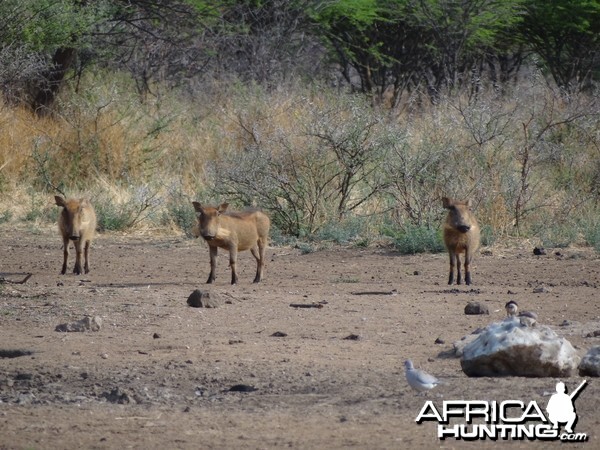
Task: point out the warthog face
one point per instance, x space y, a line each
73 217
208 219
459 214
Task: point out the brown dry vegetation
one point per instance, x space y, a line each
315 158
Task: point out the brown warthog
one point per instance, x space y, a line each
461 235
77 222
233 231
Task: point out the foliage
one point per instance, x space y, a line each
395 50
566 35
326 164
44 25
324 168
416 239
399 46
121 208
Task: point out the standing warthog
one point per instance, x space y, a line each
233 231
77 222
461 235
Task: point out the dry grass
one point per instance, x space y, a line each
145 162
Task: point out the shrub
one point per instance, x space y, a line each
121 208
417 239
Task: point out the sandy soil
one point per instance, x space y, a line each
159 373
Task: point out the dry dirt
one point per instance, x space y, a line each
158 374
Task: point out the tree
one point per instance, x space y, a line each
407 43
46 33
566 35
59 34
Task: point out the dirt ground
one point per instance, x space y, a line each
159 373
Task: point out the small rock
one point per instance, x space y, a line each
564 323
440 341
474 308
200 299
242 388
593 334
86 324
156 336
541 290
416 272
352 337
118 396
279 334
538 251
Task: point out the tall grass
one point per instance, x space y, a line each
325 164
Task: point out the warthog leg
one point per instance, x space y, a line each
65 255
453 261
467 267
87 255
232 262
213 264
259 254
78 250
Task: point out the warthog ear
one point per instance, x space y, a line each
223 207
59 201
446 202
197 206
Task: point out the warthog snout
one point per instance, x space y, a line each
463 228
208 237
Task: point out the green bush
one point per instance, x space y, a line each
591 232
342 232
6 216
417 239
121 209
182 215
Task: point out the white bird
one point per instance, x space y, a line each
418 379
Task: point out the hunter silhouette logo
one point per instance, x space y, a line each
509 419
560 407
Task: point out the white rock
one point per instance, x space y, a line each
590 364
511 348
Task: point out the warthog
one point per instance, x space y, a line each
233 231
77 222
461 235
